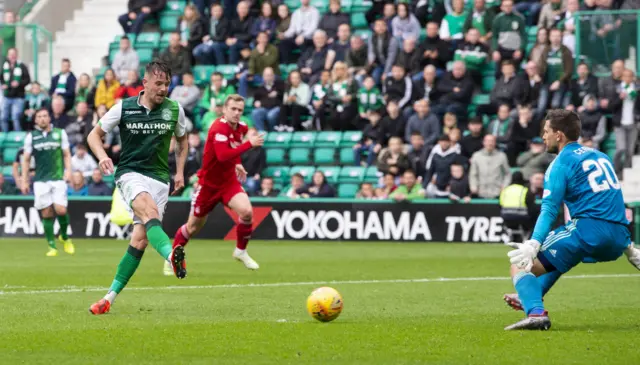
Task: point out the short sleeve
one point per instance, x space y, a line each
28 144
112 118
181 126
64 140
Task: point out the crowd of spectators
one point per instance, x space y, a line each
407 84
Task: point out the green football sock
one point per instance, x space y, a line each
64 223
158 239
48 231
127 267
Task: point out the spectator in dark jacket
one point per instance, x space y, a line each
528 92
423 122
239 35
472 142
426 88
522 130
367 144
268 99
59 119
398 87
504 90
332 20
64 84
341 44
458 187
418 154
583 85
265 23
456 89
409 58
178 58
131 87
263 55
438 168
434 50
393 125
266 189
593 122
393 160
382 51
97 186
139 12
214 40
15 77
78 130
608 87
316 59
192 27
194 155
356 58
319 188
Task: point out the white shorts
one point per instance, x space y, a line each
133 184
47 193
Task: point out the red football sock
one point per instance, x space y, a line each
182 236
243 233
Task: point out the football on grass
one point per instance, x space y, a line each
324 304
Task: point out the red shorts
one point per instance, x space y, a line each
206 198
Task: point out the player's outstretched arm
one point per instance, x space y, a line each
182 149
224 152
26 164
95 143
66 154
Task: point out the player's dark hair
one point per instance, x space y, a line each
565 121
157 67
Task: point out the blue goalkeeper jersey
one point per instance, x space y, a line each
585 180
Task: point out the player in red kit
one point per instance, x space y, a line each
219 179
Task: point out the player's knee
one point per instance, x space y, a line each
245 214
60 210
47 212
139 243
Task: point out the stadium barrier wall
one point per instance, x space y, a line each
274 219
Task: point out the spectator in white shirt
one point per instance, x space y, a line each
125 60
304 23
82 161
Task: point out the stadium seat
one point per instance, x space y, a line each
280 174
481 99
358 21
299 155
351 174
112 55
148 40
347 190
9 155
202 74
360 5
331 173
164 41
145 55
174 7
487 83
363 33
350 138
228 71
372 175
168 23
321 5
305 171
3 136
532 33
14 139
116 41
303 139
7 170
276 139
328 139
324 156
346 156
275 156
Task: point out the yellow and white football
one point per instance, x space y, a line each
324 304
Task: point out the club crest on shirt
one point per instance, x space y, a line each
166 114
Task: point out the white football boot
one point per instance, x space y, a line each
243 256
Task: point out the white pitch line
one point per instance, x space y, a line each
301 283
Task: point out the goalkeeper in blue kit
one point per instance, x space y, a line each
585 181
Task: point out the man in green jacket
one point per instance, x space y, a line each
263 56
509 39
408 190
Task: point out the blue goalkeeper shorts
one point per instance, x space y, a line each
583 240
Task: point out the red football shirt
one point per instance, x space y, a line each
222 152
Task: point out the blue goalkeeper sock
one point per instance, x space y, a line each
547 280
530 292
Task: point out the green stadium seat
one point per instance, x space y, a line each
321 5
324 156
275 156
305 171
481 99
489 69
169 23
351 174
331 173
116 41
112 55
292 4
7 170
358 21
350 138
145 55
14 139
346 156
174 7
328 139
299 155
148 40
164 40
278 139
228 71
202 74
487 83
532 33
9 155
280 174
363 33
348 191
360 5
3 136
372 175
303 139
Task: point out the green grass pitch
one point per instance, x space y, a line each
215 317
